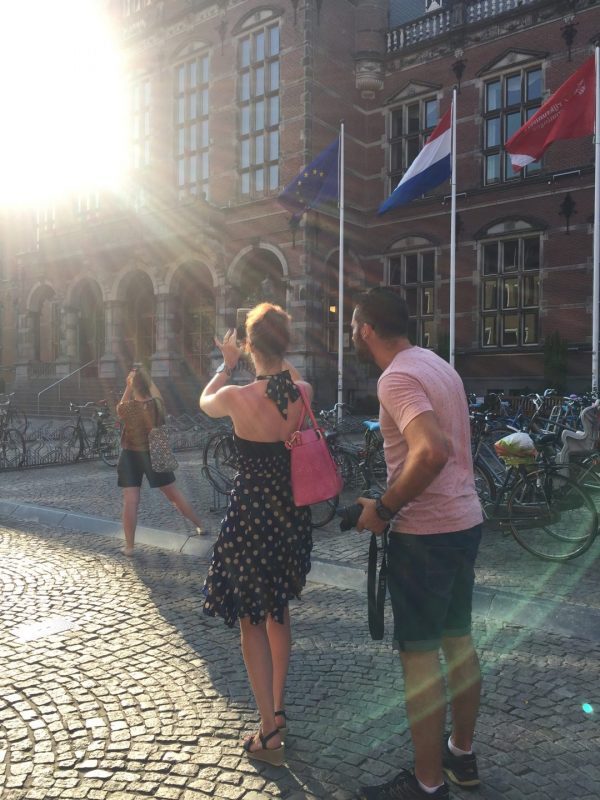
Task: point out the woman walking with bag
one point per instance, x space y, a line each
141 409
262 555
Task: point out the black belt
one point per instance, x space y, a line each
376 587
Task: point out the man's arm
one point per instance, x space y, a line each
428 452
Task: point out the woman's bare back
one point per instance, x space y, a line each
257 418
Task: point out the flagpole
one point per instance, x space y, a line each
340 385
596 266
453 235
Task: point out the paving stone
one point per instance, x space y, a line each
147 697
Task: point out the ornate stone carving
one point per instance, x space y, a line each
369 76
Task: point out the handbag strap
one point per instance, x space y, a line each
376 587
308 408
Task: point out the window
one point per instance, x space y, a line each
140 124
414 273
191 127
45 219
510 292
87 206
258 103
509 101
410 127
132 6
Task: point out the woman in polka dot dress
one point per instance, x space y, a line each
262 555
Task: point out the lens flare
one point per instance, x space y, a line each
587 708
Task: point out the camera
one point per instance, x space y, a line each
240 323
349 515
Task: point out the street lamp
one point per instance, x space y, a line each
569 32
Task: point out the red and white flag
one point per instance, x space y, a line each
568 114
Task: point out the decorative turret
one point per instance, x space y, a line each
371 27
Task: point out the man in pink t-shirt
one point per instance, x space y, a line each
434 518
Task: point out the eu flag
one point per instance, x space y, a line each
315 185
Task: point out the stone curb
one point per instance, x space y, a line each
566 619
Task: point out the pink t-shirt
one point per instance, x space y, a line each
416 381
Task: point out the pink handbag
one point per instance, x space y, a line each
315 475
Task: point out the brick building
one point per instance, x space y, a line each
228 101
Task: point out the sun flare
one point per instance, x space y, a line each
63 95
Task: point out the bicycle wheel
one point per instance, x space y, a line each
348 466
587 474
108 445
485 485
219 460
13 449
377 469
324 512
18 420
551 516
70 443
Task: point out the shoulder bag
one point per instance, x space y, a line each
314 474
161 454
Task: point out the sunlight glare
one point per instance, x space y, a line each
63 95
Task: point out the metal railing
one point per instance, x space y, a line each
58 382
436 23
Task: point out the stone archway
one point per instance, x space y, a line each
88 308
257 276
43 327
139 319
194 316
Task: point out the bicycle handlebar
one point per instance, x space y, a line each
75 407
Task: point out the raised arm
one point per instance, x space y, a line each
216 396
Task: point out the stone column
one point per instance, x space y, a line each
166 361
68 358
111 365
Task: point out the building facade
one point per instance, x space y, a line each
228 101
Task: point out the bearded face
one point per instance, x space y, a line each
360 345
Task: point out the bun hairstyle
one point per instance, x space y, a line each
268 330
142 382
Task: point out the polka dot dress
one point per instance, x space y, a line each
262 555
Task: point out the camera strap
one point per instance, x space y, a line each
377 585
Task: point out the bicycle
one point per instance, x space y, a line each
15 418
219 467
12 442
103 438
361 465
548 513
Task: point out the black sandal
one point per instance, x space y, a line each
274 755
282 728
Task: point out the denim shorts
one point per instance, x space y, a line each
134 464
430 579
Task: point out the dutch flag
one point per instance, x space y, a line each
430 168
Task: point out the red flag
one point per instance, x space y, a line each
568 114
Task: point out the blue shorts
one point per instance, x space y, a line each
430 579
134 464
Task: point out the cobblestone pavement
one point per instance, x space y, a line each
114 686
503 564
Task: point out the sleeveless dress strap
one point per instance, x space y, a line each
281 389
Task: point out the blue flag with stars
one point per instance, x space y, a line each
316 185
